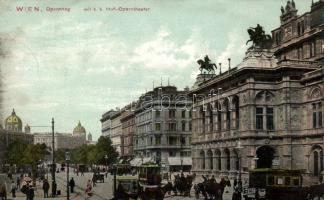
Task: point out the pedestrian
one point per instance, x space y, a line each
18 182
46 187
72 185
54 187
82 173
13 189
88 189
30 193
3 191
94 180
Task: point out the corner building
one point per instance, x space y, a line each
163 128
271 103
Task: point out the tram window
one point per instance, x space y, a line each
296 182
287 180
279 180
271 180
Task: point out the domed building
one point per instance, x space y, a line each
13 123
79 130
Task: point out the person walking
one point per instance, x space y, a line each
46 187
72 185
13 189
88 189
18 182
30 193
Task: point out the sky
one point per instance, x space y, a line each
79 64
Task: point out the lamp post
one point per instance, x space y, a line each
106 159
239 149
53 154
67 159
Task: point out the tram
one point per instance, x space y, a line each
274 184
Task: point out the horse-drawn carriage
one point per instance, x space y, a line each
274 184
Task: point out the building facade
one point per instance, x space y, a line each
128 129
116 131
163 128
12 132
64 140
267 111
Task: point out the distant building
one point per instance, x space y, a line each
128 129
13 131
116 131
163 128
111 127
63 140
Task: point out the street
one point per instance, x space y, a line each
102 191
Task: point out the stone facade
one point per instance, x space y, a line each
116 131
271 103
61 140
163 128
128 129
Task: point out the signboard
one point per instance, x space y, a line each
275 163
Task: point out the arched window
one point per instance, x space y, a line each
219 116
237 111
228 159
203 120
228 114
237 161
317 161
211 118
218 159
202 156
210 159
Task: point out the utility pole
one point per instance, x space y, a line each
53 154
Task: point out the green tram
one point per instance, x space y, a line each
274 184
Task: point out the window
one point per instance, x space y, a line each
183 140
172 126
312 50
259 118
183 125
173 140
190 112
157 140
190 126
267 118
157 114
317 115
269 114
171 113
158 126
183 114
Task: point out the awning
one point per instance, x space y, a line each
177 161
136 162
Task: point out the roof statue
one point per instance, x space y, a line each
206 65
258 37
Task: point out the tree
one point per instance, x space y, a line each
34 153
15 152
104 147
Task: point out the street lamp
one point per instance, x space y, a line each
106 159
239 150
67 159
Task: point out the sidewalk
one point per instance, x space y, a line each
39 194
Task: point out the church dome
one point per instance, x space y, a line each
89 137
13 122
79 130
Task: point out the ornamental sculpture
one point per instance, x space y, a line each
206 65
259 38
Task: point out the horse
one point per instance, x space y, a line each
212 189
207 66
157 193
3 191
257 38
